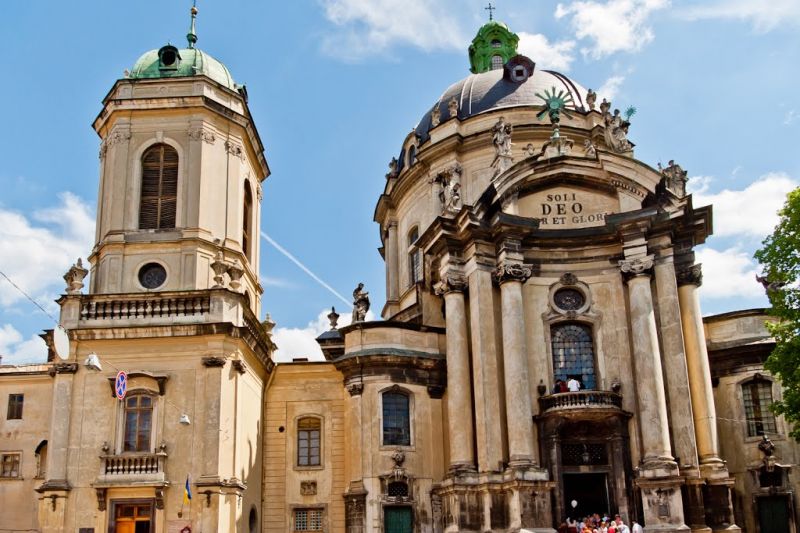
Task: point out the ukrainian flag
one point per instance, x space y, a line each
187 492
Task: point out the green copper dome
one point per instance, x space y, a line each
492 47
169 62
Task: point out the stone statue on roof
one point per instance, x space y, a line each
360 303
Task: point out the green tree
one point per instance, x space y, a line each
779 257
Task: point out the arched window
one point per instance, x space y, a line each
252 520
412 155
497 62
396 419
757 397
138 420
573 353
496 44
247 220
308 441
414 257
41 459
159 187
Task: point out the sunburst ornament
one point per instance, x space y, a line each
555 103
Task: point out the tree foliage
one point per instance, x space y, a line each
779 257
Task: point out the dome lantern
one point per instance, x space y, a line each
492 47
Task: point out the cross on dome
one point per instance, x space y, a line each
490 9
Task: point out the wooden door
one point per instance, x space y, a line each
773 514
397 520
133 517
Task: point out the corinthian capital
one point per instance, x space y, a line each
512 272
690 275
450 283
641 266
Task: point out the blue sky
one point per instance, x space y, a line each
334 87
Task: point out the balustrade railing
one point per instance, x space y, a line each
151 305
134 464
580 399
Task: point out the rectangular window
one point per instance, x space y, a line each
308 520
138 423
396 419
308 442
9 464
15 406
757 396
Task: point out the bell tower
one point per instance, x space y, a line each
181 167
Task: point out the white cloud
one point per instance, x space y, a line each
751 212
610 88
546 55
699 185
790 117
14 350
764 16
728 273
612 26
36 251
269 281
365 27
300 342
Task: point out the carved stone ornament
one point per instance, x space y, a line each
450 194
616 128
360 303
501 139
259 191
202 134
568 279
220 268
692 275
308 488
354 388
452 107
674 178
512 272
114 137
160 498
333 316
436 115
393 164
213 361
591 98
640 266
101 499
239 366
234 149
589 148
63 368
74 277
236 271
529 150
450 283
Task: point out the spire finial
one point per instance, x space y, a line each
192 35
490 9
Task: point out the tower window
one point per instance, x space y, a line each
414 258
152 276
757 396
496 43
247 214
159 187
308 442
396 419
138 423
497 62
168 58
15 402
573 354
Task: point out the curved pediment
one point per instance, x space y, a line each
568 206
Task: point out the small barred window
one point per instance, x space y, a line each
308 520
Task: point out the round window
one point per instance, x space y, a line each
569 299
152 276
168 58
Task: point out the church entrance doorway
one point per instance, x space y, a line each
588 491
132 517
397 520
773 514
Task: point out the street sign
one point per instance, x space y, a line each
121 385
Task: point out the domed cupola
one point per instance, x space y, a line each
492 47
170 62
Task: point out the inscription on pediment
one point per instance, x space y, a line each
568 207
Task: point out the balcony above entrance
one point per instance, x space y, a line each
581 404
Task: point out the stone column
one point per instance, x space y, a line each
485 372
392 266
459 387
677 381
647 357
521 451
705 416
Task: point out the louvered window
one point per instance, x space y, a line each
414 258
159 187
246 220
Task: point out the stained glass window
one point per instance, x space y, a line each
757 396
396 423
573 353
569 299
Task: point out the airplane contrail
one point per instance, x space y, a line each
304 268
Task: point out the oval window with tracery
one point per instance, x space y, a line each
569 299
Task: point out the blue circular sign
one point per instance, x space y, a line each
121 385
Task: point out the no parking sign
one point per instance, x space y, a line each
121 385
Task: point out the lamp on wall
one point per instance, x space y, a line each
93 362
184 419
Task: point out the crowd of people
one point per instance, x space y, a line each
599 524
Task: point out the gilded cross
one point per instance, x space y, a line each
490 9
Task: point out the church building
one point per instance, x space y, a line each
541 354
